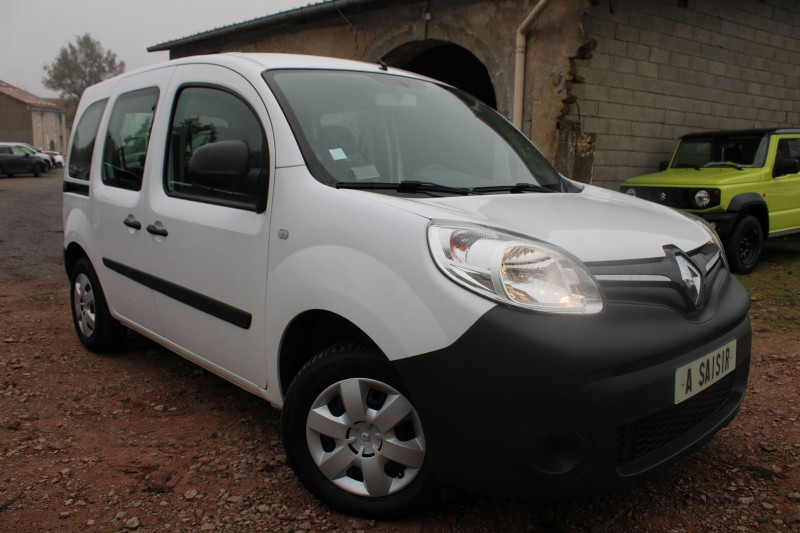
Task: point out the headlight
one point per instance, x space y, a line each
630 191
702 198
513 270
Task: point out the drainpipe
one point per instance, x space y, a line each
519 61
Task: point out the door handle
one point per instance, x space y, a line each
131 222
157 230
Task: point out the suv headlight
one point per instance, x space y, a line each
513 270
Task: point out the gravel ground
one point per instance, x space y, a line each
142 440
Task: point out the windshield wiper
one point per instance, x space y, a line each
516 188
404 186
723 164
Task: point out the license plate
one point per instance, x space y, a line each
695 377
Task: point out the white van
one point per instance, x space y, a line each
402 272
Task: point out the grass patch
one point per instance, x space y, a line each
774 285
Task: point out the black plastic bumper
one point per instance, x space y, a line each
723 222
552 406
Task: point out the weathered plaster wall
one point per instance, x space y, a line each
486 28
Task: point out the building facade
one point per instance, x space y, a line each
29 119
603 87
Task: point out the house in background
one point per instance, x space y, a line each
27 118
603 87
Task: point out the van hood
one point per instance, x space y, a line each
593 225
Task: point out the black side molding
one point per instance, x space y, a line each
203 303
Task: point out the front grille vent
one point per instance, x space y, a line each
646 435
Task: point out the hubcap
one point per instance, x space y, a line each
83 302
365 437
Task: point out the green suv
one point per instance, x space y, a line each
746 183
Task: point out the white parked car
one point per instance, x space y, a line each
403 273
57 158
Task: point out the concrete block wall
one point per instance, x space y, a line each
664 68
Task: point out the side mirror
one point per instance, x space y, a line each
784 166
663 165
220 165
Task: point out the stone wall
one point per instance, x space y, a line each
15 121
659 69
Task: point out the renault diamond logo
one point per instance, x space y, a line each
691 278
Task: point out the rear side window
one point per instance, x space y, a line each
80 157
789 148
127 138
204 115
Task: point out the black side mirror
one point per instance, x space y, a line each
784 166
220 165
663 165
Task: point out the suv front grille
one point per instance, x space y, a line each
643 436
680 198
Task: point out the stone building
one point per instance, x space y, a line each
603 87
29 119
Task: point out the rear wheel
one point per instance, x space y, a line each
96 328
37 170
743 245
353 436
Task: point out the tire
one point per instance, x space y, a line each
353 437
37 170
744 244
96 328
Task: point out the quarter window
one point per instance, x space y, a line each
206 115
128 135
80 157
789 148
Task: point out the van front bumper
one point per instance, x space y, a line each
542 406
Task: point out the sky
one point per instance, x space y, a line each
33 31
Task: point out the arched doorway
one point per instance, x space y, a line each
445 62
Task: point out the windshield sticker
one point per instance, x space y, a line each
337 154
367 172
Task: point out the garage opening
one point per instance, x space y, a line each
446 62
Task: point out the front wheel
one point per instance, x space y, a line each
96 328
744 245
353 436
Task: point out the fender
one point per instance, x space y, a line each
744 201
755 203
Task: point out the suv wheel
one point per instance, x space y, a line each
96 328
353 436
744 245
37 170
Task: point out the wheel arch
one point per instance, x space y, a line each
752 203
308 334
72 253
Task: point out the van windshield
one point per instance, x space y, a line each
370 130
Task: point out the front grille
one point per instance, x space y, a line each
643 436
677 197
